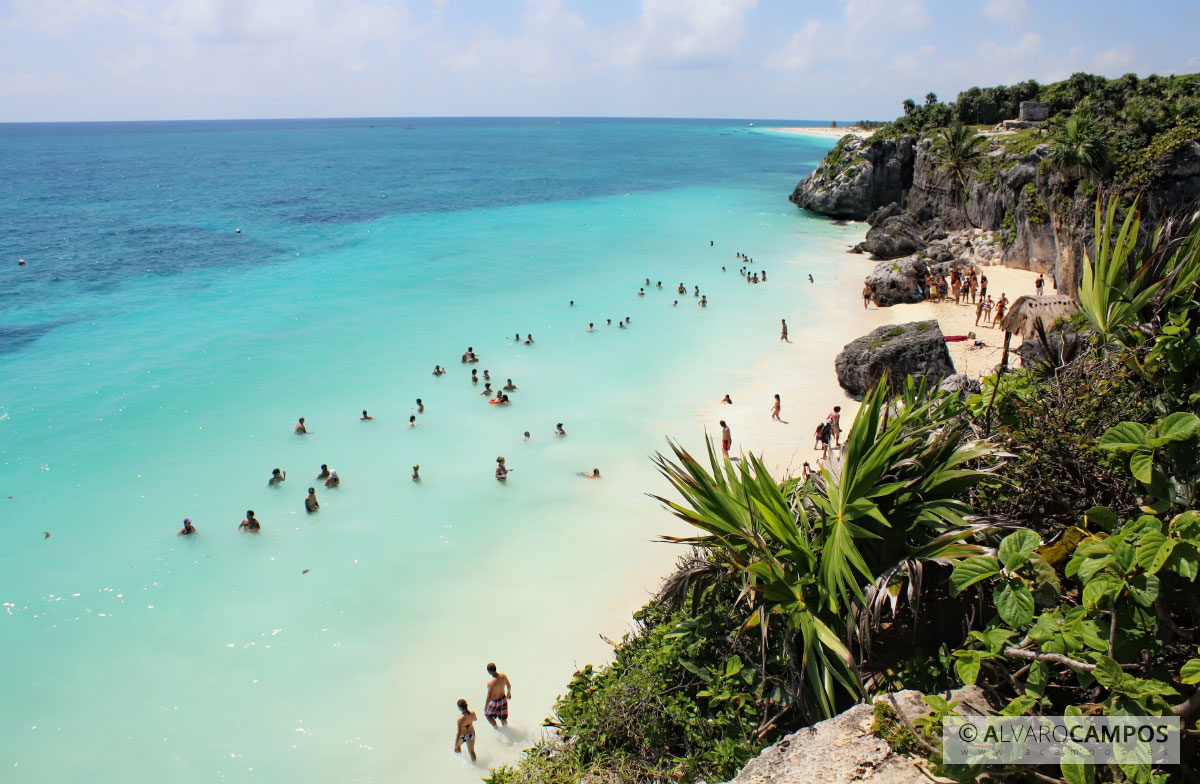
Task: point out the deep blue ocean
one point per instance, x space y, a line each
191 288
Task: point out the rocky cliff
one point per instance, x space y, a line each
1040 217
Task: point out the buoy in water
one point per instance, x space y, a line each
21 262
237 231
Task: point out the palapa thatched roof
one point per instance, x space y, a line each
1027 311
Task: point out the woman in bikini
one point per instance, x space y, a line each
464 729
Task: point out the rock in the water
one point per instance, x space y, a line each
916 349
893 237
898 281
856 177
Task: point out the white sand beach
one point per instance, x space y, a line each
803 372
834 133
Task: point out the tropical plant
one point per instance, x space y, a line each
1080 144
959 152
811 554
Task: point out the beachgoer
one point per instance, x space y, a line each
983 284
866 294
474 376
806 471
420 406
300 428
594 475
642 292
572 304
1001 305
704 300
978 310
188 529
324 472
558 430
416 475
310 501
835 420
527 436
726 438
437 370
499 692
487 389
764 276
608 322
529 340
250 524
501 469
464 730
658 285
412 420
727 399
675 303
277 477
775 409
1040 283
824 436
697 292
486 375
621 325
810 279
682 288
510 386
591 327
783 332
647 281
366 417
334 480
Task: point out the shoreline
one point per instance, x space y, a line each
825 133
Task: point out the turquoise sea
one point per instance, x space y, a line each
153 362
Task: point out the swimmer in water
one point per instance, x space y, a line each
324 472
188 529
810 280
464 730
412 420
502 398
704 301
437 370
594 475
572 303
658 285
250 524
697 293
487 376
420 406
727 399
529 340
682 288
487 389
641 292
310 501
501 470
366 417
591 327
621 324
526 436
277 478
558 430
647 281
334 480
300 428
474 376
416 476
510 386
675 303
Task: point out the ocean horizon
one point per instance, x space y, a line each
190 290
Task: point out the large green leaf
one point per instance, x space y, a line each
1190 672
1141 465
1016 548
971 571
1014 603
1124 436
1180 426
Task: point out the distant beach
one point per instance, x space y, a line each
824 132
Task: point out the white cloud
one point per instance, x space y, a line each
684 33
854 38
1010 11
1110 61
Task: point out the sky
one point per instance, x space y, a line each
78 60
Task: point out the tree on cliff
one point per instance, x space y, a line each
1081 145
930 99
958 151
909 106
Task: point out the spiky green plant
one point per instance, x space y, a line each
810 553
1080 144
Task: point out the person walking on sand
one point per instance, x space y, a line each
726 438
1040 283
499 692
464 730
783 332
866 294
775 409
835 421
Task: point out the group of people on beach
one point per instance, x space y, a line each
499 692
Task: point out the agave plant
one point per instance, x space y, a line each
812 554
1122 281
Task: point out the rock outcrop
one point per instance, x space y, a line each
844 749
916 349
1039 217
855 178
898 282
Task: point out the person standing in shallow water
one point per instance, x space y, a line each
499 692
301 430
310 501
464 730
188 529
250 524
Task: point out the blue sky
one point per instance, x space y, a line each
793 59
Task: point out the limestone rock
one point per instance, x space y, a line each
855 178
898 281
893 237
834 751
915 349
